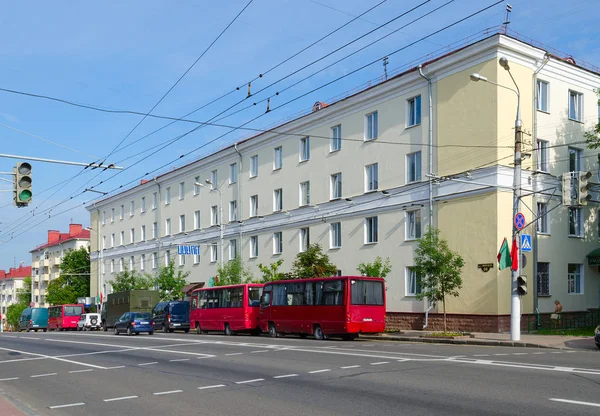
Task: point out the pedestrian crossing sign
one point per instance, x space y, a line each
525 242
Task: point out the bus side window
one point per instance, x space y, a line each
194 302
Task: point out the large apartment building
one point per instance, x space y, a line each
10 283
364 176
46 258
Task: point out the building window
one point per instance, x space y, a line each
543 226
168 226
278 242
542 95
103 217
254 206
112 215
336 138
181 190
168 196
143 233
277 200
575 279
413 224
143 262
131 263
233 173
543 279
143 205
112 240
197 220
371 230
413 288
154 200
575 222
371 126
122 212
122 237
304 239
336 185
181 223
103 267
121 264
575 159
543 156
253 246
132 235
197 185
304 149
112 266
131 208
103 242
154 260
213 252
254 166
413 108
575 106
155 230
167 257
413 167
214 178
197 258
181 260
371 177
305 193
277 158
232 249
335 235
233 211
214 215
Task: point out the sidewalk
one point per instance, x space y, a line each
8 408
495 340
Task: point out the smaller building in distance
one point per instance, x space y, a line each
46 258
10 282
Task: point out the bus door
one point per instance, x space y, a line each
264 315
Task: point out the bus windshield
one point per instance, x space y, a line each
254 294
367 292
73 310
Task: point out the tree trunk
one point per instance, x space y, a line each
444 300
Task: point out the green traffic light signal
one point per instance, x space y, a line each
25 195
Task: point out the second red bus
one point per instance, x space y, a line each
63 317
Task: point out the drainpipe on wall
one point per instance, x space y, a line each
239 183
535 162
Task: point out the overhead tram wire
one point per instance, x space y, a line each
185 134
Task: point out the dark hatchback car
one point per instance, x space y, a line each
169 316
134 323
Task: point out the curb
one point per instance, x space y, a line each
459 341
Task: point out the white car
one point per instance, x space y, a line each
89 322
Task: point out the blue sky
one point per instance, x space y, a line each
126 55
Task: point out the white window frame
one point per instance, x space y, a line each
181 260
335 235
197 185
371 230
277 158
413 224
168 195
543 220
543 103
197 219
253 246
168 226
413 111
154 200
233 211
411 282
197 258
214 215
214 254
277 242
413 169
578 224
233 173
122 212
112 266
254 206
132 235
143 262
167 257
103 242
214 179
572 277
575 98
143 205
278 200
336 139
132 263
181 191
112 215
304 149
335 183
304 239
131 208
232 249
154 260
103 217
543 155
155 229
122 238
304 193
182 223
578 159
253 166
371 126
121 264
143 233
112 240
372 177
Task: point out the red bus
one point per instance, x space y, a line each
333 306
226 308
63 317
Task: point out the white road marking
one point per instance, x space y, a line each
179 359
575 402
52 358
256 352
161 393
481 355
114 399
81 371
152 363
211 387
538 353
286 376
380 362
250 381
22 359
61 406
556 352
500 354
114 368
9 379
235 353
9 336
43 375
319 371
350 366
519 353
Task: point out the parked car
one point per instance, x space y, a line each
169 316
134 323
597 337
89 322
34 318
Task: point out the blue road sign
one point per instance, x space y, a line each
519 221
525 242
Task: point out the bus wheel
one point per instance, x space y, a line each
318 333
272 330
228 330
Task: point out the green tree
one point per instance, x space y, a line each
131 280
592 137
74 279
271 272
23 295
312 263
233 272
438 268
170 283
378 268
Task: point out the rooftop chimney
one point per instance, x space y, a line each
75 229
53 236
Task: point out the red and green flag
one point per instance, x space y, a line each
504 257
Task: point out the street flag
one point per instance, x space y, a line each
504 258
514 254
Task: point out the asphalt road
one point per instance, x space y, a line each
171 374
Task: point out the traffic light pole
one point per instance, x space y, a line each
63 162
515 299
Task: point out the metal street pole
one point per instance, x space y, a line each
221 225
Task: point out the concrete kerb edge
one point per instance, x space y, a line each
17 404
461 342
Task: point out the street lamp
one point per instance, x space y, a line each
213 187
515 303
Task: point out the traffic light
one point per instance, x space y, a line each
583 188
567 189
522 285
23 192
